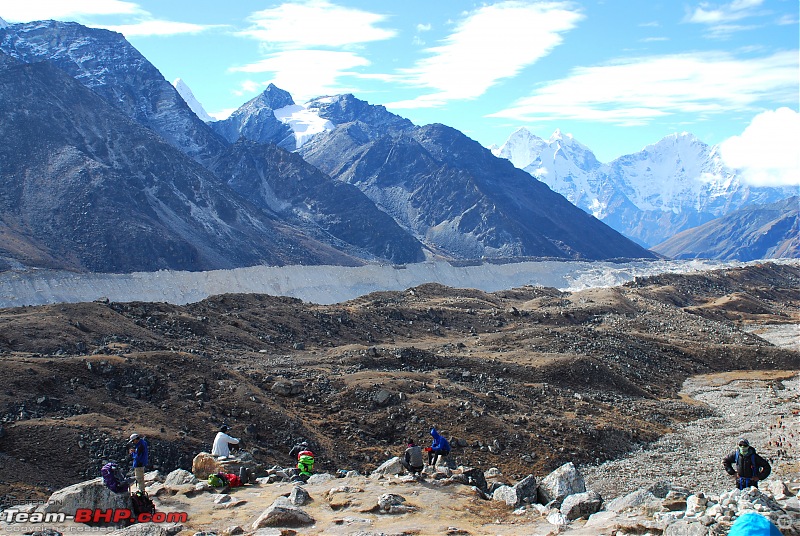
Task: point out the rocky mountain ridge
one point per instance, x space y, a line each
349 221
670 186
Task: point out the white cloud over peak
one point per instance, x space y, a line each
307 73
316 23
767 151
467 62
155 27
30 10
634 91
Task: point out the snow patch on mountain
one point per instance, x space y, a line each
304 122
186 93
3 24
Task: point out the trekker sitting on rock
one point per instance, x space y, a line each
222 443
439 449
746 465
412 459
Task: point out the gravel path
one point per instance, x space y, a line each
764 411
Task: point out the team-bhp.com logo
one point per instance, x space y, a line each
95 515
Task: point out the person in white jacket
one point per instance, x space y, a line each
222 441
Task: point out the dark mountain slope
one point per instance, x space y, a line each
107 64
85 188
460 199
285 183
755 232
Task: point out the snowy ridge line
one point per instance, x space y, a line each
328 284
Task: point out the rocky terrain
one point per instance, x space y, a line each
523 380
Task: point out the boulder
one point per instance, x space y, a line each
566 480
299 496
392 466
387 500
282 513
580 505
320 478
527 488
205 464
634 499
88 494
685 527
179 477
285 387
508 495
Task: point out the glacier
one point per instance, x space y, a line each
329 284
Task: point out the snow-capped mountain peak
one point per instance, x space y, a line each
3 23
304 122
522 148
186 93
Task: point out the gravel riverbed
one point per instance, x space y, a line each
764 408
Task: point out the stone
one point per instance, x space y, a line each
299 496
205 464
283 513
88 494
635 499
684 527
284 387
557 518
388 500
566 480
508 495
320 478
233 530
179 477
382 398
580 505
527 488
392 466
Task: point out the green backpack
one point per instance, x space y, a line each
306 464
216 481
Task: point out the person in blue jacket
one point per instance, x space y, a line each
439 449
139 455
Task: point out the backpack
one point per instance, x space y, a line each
142 504
305 463
217 480
113 479
233 480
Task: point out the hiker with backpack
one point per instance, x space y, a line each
222 442
439 449
139 454
746 465
305 464
412 458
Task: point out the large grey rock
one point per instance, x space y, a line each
566 480
527 488
683 527
283 513
392 466
179 477
581 505
634 499
88 494
508 495
299 496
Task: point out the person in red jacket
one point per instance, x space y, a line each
746 465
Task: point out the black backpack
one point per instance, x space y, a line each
142 504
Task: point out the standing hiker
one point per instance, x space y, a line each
412 459
139 454
746 465
440 448
222 443
298 448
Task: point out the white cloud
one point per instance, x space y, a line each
492 43
316 23
768 151
155 27
423 27
307 73
30 10
736 10
635 91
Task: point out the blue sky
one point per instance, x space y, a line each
616 74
